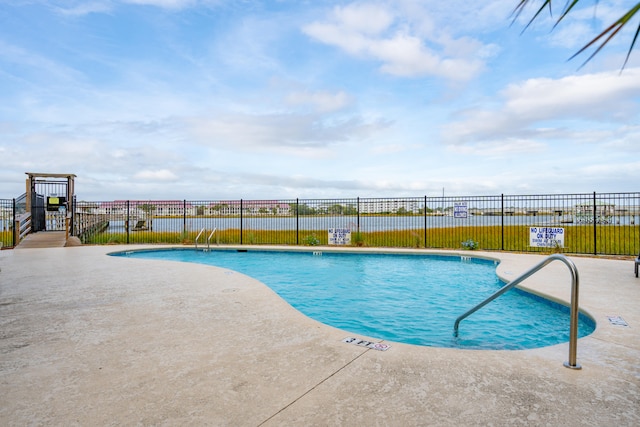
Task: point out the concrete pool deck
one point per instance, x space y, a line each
88 339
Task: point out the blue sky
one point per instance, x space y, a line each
215 99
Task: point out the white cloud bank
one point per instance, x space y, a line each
541 108
373 31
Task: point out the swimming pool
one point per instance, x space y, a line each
413 299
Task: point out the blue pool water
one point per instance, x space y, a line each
413 299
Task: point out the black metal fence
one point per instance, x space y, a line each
594 223
7 222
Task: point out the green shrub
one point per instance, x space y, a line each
357 239
311 240
470 245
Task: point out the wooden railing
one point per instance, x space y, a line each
22 227
88 223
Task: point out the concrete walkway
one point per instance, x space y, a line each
88 339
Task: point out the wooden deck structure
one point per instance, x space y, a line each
44 239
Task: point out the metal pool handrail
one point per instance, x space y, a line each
575 285
198 236
210 236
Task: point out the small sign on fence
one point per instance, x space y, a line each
460 210
546 237
339 236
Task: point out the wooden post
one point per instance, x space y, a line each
28 195
16 232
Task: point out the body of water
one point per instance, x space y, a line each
367 223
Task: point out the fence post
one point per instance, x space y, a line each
297 221
73 216
240 221
595 228
13 225
184 217
425 221
128 222
502 221
13 238
358 213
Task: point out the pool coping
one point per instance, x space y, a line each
61 319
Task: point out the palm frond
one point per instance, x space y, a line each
633 42
566 11
605 36
523 4
612 30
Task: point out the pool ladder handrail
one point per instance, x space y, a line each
198 236
575 285
208 238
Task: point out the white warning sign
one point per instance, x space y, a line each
339 236
546 237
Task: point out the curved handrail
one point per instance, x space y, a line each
575 284
210 236
198 236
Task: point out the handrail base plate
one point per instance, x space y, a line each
577 366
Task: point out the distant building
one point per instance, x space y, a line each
249 207
376 206
168 208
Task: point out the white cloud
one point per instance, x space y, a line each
589 95
85 8
392 148
320 101
279 131
500 148
119 154
624 139
351 41
406 56
431 18
618 169
364 18
80 8
537 108
156 175
571 35
166 4
372 32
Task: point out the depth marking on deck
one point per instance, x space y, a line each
369 344
617 321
